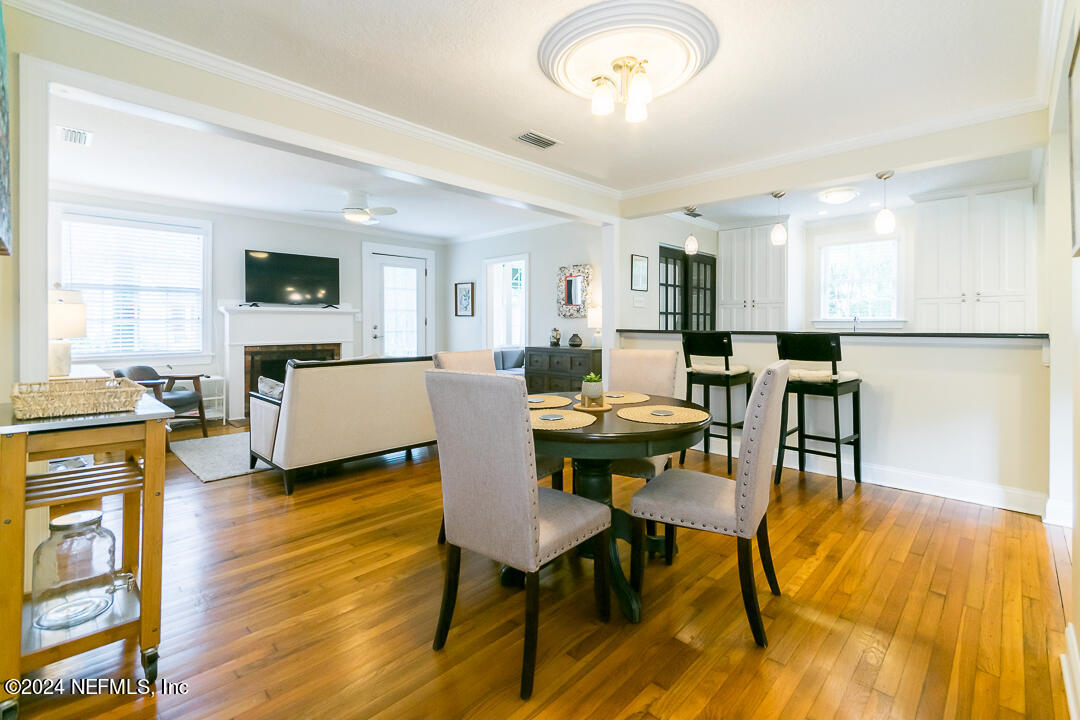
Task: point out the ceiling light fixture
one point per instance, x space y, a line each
599 52
690 246
778 234
885 221
838 196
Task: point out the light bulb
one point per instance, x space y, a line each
778 236
356 215
636 112
690 247
640 92
885 222
603 99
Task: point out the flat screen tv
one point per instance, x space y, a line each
271 277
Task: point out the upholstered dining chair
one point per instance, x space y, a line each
651 372
492 504
483 361
179 401
717 504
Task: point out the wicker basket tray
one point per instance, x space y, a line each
82 396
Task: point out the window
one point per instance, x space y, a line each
507 301
142 282
860 279
687 290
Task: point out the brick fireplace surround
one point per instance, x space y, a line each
270 360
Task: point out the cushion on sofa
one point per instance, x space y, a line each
270 387
509 358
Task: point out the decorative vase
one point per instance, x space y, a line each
592 393
556 336
575 340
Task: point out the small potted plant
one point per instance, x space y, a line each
592 390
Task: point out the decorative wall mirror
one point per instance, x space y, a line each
573 290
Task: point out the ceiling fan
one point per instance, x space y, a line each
357 210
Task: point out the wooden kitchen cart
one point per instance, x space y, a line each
137 441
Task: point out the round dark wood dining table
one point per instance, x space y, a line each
592 448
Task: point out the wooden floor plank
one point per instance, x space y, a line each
323 604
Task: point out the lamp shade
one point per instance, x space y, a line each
778 234
885 222
594 318
690 245
67 314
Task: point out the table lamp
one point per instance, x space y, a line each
594 319
67 319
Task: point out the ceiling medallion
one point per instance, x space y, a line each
628 51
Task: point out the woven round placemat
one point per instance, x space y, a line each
571 419
550 401
626 399
643 414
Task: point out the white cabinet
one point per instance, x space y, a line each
751 281
975 263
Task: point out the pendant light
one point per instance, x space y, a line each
778 235
885 222
690 247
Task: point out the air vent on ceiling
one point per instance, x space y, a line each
691 211
75 136
535 138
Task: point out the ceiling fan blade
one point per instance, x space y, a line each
382 211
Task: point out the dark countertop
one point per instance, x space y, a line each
872 333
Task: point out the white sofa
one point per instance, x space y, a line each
341 410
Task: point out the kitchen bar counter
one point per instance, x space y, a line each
874 333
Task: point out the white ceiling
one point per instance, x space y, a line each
134 154
805 204
790 76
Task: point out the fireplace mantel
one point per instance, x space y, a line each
279 325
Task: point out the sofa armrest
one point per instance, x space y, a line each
263 415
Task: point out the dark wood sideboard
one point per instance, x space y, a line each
559 369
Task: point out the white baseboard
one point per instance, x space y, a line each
1070 670
954 488
1058 512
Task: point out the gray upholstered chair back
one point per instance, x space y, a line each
646 371
480 361
137 372
760 439
488 466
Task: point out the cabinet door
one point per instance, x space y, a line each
733 280
1003 243
941 258
1000 313
768 316
768 270
942 315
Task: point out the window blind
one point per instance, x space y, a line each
142 283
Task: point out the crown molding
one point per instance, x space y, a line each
85 193
146 41
1053 12
970 190
995 112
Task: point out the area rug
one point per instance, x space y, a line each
217 457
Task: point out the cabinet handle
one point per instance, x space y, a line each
978 292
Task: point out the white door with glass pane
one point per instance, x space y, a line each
506 301
394 308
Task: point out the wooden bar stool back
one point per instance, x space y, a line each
832 383
708 363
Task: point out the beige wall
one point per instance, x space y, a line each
548 248
644 236
964 419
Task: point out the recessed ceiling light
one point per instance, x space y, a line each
876 203
822 212
838 196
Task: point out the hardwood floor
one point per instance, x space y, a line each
324 604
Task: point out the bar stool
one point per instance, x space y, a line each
819 347
707 347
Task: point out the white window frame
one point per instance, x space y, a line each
57 213
488 335
855 238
